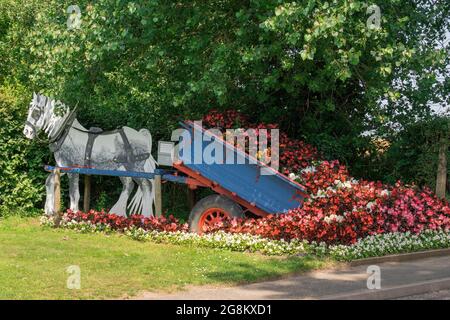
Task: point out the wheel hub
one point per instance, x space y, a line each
211 217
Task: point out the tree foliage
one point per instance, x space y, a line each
22 177
413 157
314 66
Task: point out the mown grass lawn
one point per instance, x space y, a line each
34 262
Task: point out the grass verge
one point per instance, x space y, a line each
34 260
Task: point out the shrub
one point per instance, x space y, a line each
22 175
413 156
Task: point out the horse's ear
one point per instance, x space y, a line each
34 97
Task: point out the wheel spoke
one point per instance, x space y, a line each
211 217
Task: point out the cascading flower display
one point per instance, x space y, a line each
340 209
294 154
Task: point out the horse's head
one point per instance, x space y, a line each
44 114
36 116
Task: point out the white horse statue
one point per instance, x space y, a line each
73 145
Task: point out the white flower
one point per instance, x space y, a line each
370 205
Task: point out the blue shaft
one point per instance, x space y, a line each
117 173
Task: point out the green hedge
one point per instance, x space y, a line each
413 156
22 178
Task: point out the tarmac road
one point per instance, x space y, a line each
398 279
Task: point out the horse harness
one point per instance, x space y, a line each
93 133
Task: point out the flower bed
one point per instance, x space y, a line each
340 209
96 222
372 246
348 210
342 217
391 243
108 221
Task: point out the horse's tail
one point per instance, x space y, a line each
136 204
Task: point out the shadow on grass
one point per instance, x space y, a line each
331 282
244 273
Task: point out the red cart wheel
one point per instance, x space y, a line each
212 209
212 216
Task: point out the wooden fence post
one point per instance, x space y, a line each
57 196
191 197
158 196
87 193
441 178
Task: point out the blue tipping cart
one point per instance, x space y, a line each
238 182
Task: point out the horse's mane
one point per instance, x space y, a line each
55 113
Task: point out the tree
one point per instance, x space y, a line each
316 67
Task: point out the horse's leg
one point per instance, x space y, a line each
120 208
147 201
74 191
50 190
